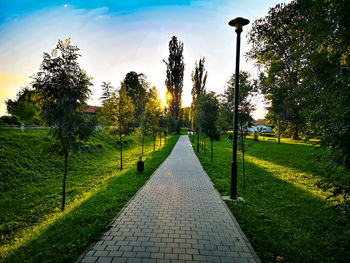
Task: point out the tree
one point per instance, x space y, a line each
162 124
174 76
136 87
326 30
208 110
152 114
23 106
119 111
247 89
107 91
61 89
199 79
276 49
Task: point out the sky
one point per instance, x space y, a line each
116 37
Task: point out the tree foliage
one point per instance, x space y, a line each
152 114
136 87
199 79
119 112
61 89
175 75
23 106
303 50
276 49
207 116
247 89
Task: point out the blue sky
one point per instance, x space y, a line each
116 37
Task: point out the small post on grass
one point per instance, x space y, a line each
238 23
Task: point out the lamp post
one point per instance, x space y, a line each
238 23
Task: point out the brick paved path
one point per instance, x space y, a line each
177 216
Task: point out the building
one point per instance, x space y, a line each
260 126
92 109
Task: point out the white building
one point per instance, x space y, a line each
259 126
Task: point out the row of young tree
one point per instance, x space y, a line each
58 99
134 107
211 114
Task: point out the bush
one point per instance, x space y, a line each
9 120
265 134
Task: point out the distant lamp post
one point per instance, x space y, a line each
238 23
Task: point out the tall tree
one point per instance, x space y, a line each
199 79
23 106
325 28
136 87
208 112
247 89
152 114
107 91
245 107
62 89
119 111
276 50
174 75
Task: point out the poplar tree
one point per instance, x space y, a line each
174 76
199 79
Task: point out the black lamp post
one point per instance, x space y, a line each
238 23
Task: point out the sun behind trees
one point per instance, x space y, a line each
174 81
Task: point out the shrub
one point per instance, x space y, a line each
9 120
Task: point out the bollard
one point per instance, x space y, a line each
140 165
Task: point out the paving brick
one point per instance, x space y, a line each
177 216
104 260
89 259
185 257
119 260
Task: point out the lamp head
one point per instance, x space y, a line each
238 23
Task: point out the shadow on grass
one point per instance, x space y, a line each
283 222
65 239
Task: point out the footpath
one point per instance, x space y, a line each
177 216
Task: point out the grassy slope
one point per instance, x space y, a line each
285 216
32 227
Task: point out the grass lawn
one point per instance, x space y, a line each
32 227
285 215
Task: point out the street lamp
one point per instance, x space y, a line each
238 23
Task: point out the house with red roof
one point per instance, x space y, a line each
92 109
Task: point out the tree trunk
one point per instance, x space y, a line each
198 142
211 149
279 129
154 142
160 140
64 181
243 166
296 135
121 153
143 142
204 148
243 152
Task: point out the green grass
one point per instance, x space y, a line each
183 131
32 227
285 215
